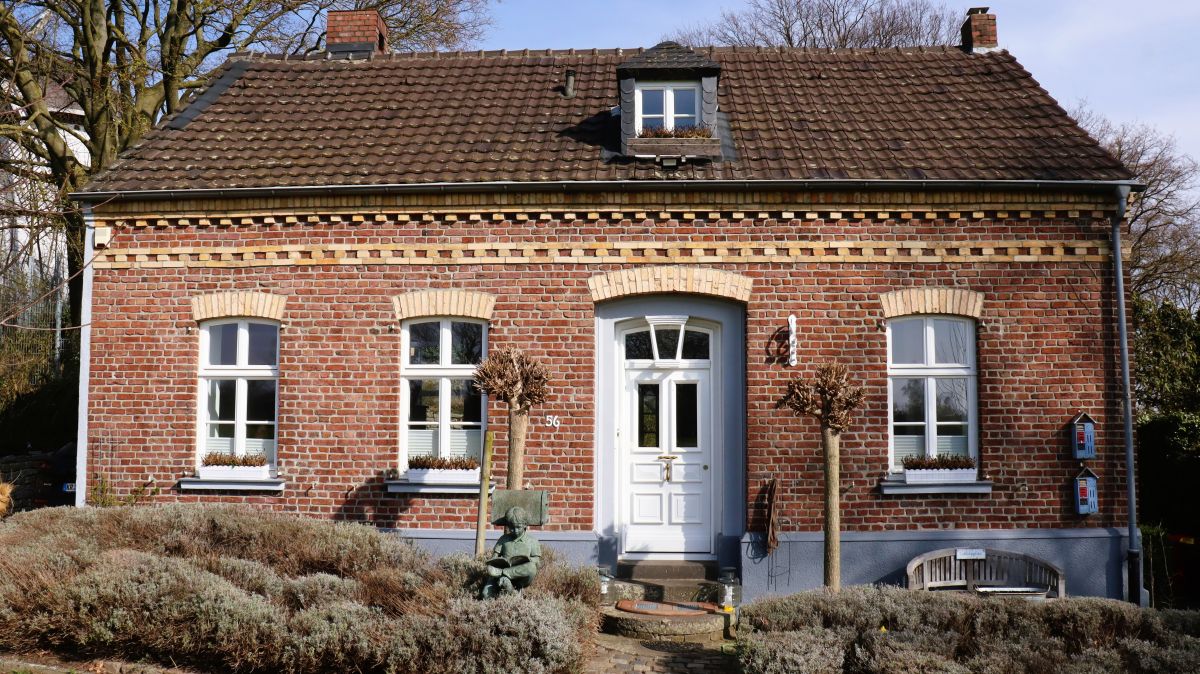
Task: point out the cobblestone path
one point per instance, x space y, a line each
619 655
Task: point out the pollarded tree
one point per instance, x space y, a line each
510 375
831 399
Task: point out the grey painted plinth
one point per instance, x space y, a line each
577 548
1093 558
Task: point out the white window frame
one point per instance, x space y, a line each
668 89
241 373
930 373
444 372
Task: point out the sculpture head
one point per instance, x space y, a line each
516 521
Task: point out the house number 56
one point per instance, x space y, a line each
553 420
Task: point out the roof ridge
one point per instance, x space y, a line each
594 51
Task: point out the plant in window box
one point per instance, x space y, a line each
939 469
680 141
229 466
443 470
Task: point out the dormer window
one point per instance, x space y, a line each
669 108
670 105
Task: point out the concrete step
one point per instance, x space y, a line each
642 570
707 628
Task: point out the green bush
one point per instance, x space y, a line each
888 629
217 589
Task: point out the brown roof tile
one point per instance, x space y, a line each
927 113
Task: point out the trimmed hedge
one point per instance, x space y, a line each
230 589
888 629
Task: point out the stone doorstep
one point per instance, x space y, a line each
654 570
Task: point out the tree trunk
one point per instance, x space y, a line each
518 425
830 443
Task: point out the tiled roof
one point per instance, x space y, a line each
923 114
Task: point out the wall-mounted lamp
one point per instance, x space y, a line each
792 340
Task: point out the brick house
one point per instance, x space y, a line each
306 262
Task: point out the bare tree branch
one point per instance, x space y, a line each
829 24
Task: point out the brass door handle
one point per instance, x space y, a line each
667 459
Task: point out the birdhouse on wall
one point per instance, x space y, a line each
1082 436
1086 501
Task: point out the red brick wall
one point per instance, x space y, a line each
1046 350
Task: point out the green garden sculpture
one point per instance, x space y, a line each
515 558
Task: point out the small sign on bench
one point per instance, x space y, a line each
970 553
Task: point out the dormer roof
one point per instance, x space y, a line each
668 60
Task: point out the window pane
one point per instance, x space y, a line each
647 413
653 123
262 446
908 400
681 121
222 344
264 343
424 343
260 400
908 342
652 101
668 341
466 401
466 442
951 399
222 398
259 432
685 103
219 439
422 441
466 343
695 345
686 423
952 439
907 441
637 345
951 342
423 400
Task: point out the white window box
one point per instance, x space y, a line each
442 476
248 473
940 475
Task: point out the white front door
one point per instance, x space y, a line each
666 438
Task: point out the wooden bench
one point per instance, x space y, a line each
1000 572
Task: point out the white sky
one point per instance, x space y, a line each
1131 61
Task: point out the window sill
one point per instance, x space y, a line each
199 484
895 485
401 486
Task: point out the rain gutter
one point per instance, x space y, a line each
601 186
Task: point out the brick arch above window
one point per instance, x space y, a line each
239 303
468 303
674 279
932 300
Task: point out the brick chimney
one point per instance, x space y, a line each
979 31
359 32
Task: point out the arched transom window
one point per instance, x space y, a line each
668 340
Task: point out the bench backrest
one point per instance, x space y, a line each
1000 568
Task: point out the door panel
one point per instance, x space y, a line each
666 457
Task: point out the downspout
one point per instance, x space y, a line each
85 360
1134 570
